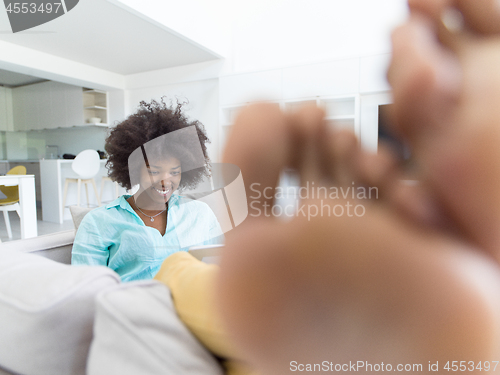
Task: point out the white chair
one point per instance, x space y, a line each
11 202
86 165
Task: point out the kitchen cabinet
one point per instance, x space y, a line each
22 107
349 89
32 113
42 102
57 117
341 112
6 122
50 105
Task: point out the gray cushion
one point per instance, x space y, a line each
47 313
137 331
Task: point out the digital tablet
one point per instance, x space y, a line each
207 253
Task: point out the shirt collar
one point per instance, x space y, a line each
122 202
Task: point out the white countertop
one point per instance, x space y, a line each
66 160
20 161
39 160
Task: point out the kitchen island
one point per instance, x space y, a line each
27 203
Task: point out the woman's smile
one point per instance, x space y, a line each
163 191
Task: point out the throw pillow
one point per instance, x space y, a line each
47 313
137 331
77 214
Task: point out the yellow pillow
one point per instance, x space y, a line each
192 285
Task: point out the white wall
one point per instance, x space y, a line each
116 106
16 145
203 97
280 33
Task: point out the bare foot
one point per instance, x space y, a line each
371 289
374 287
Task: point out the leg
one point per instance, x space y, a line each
102 188
87 192
78 191
7 223
96 194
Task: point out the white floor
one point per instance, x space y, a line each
44 227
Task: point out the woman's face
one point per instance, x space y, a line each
160 179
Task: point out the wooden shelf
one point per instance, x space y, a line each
95 104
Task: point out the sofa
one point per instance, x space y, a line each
58 319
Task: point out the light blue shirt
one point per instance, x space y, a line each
115 236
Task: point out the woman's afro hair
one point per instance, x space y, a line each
153 120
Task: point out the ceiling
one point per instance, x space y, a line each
103 35
11 79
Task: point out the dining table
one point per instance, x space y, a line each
27 202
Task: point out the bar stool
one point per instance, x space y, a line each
86 165
108 179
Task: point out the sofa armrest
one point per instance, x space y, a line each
56 246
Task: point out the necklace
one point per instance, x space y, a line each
151 217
